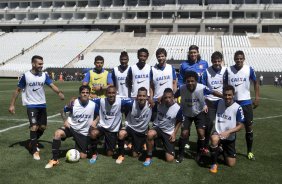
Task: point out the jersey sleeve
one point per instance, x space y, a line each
109 78
253 74
179 115
48 80
22 82
69 108
96 110
173 73
177 93
225 78
87 77
207 91
97 101
114 78
126 105
204 78
181 75
240 115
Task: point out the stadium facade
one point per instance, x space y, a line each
141 16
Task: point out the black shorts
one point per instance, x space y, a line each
248 114
37 116
110 138
169 146
138 139
81 141
228 148
200 121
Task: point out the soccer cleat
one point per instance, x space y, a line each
251 156
93 159
120 159
147 162
180 159
30 147
52 163
36 156
213 168
186 148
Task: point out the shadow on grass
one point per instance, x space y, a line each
26 145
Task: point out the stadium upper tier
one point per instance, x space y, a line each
147 15
57 51
13 44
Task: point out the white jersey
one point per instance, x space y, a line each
192 103
81 117
138 119
227 117
140 78
167 117
32 86
120 78
214 81
162 79
110 115
240 80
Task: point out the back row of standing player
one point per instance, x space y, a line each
156 79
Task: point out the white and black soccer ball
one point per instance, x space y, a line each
73 155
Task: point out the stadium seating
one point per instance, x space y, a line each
58 50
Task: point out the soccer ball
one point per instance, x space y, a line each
73 155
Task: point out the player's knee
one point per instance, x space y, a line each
169 157
94 134
214 140
151 134
122 134
231 163
42 127
34 128
185 134
59 134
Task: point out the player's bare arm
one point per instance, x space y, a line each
256 89
13 100
95 122
56 90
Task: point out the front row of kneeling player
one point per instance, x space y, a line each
102 117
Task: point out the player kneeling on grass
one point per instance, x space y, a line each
165 126
229 120
138 114
76 125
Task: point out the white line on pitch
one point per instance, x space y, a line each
24 124
269 117
271 99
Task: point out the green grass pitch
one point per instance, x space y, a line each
17 165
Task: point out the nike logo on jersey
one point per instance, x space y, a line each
238 84
108 118
216 87
163 83
80 121
138 82
97 78
35 89
122 83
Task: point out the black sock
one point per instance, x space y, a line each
200 144
214 154
56 149
149 155
92 148
249 139
33 141
39 133
121 147
181 145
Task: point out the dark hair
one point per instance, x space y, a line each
109 87
228 88
216 55
191 73
83 87
168 90
142 50
142 89
194 47
123 54
36 57
161 51
99 58
239 52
